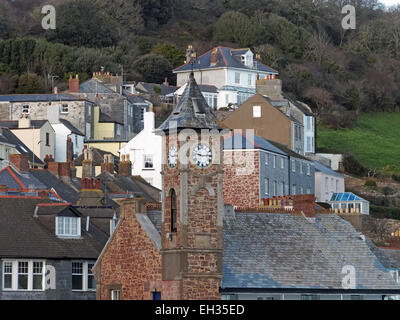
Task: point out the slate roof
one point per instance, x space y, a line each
13 124
16 180
299 105
37 97
106 118
243 141
94 86
71 127
49 180
229 57
321 168
23 236
11 138
119 185
192 111
289 152
149 88
283 251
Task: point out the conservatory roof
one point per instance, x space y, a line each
345 196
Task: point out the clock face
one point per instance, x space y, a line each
173 156
202 155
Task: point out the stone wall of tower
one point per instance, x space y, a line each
196 248
242 178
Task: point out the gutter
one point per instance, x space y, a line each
310 291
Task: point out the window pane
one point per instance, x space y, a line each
91 283
91 280
77 267
115 295
7 281
37 282
77 282
23 282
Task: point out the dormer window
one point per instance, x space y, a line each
68 226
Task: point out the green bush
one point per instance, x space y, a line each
370 183
387 191
384 212
353 166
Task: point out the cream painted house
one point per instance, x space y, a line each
37 135
145 152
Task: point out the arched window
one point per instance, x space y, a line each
173 210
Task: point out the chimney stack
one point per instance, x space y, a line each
24 121
70 150
20 162
125 166
87 163
149 120
270 87
108 164
214 57
74 84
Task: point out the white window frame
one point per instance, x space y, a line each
144 162
282 163
266 186
237 77
67 222
301 167
293 165
308 169
275 158
266 159
115 294
294 189
27 107
250 79
256 111
63 110
85 276
15 273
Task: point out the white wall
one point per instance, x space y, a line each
324 190
62 134
146 143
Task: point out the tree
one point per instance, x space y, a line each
174 55
83 23
235 27
30 83
127 14
153 68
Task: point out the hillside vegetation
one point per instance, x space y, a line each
338 73
375 141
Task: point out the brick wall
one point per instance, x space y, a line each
132 262
242 189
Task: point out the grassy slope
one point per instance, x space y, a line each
375 141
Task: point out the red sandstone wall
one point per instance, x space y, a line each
241 189
132 261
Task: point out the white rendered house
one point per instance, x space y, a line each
145 152
233 71
64 130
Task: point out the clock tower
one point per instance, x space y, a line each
192 197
